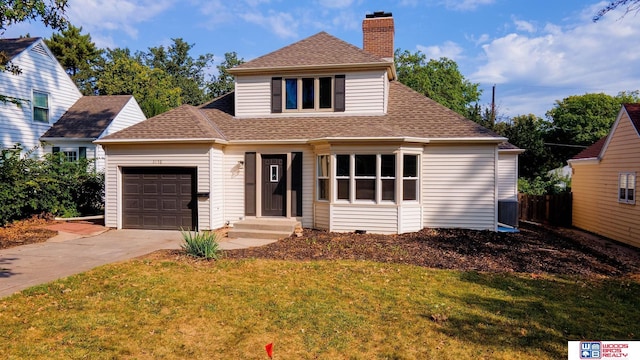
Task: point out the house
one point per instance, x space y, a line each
89 119
318 132
605 178
52 106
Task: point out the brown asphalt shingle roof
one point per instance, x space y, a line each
88 117
317 50
594 150
13 47
410 114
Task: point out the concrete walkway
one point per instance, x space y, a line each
71 253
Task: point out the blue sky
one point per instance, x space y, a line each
535 52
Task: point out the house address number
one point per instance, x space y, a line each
156 162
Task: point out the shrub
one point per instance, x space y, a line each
201 244
550 184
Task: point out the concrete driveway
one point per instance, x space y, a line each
81 247
67 254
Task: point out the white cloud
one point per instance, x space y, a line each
281 24
466 4
566 60
115 15
522 25
449 50
336 4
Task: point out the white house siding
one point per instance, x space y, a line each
364 94
459 186
130 114
508 176
409 218
379 219
216 195
42 73
119 156
321 215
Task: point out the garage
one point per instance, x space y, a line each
159 198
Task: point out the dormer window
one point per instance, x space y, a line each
307 94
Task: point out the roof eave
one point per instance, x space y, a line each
160 141
69 138
514 151
302 68
584 161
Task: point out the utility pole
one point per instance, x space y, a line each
493 106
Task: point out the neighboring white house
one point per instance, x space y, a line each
47 95
320 132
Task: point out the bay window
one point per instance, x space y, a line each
409 177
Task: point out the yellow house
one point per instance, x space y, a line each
605 179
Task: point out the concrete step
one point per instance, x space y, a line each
257 234
264 228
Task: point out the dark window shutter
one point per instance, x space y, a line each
250 184
82 152
296 184
55 149
339 93
276 95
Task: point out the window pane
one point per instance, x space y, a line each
40 115
323 166
623 181
630 194
40 100
291 88
410 166
323 189
365 189
623 194
70 155
307 93
365 165
325 93
343 164
389 189
388 166
343 189
631 181
409 190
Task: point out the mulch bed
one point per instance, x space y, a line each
534 250
25 232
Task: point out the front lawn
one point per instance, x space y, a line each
168 306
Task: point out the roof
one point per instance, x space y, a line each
13 47
410 115
634 114
318 50
593 151
88 117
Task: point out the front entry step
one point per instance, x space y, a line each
263 228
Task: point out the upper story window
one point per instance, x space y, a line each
307 94
40 107
627 187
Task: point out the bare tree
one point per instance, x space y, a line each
632 6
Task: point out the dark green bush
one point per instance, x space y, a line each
52 185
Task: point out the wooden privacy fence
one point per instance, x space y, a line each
547 209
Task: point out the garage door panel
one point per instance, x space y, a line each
159 198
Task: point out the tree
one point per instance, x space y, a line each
528 132
439 80
123 74
183 70
78 55
632 5
51 13
579 121
224 82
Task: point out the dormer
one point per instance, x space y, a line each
320 76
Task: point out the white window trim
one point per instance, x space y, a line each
634 187
33 106
320 177
316 94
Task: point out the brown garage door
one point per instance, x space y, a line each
161 198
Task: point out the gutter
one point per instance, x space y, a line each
161 141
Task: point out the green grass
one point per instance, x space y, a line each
230 309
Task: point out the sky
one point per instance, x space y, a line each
534 52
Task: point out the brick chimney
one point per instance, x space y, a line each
377 34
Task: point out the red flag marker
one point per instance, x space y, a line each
269 348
